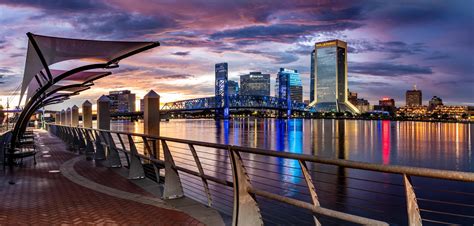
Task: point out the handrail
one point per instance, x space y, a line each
398 169
246 208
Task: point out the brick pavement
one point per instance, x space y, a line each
41 197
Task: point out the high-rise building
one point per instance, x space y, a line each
361 104
312 77
255 83
233 87
330 77
434 102
386 104
122 101
289 79
413 97
352 98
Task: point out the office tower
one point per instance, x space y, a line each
413 97
312 77
434 102
121 101
255 84
330 77
233 87
290 79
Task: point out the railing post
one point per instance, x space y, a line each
414 217
103 113
151 119
89 144
311 188
173 188
135 170
68 117
113 157
87 114
75 116
201 173
99 147
63 117
246 210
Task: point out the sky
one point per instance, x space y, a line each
392 45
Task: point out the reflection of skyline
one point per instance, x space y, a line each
447 145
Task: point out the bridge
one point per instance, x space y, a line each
236 102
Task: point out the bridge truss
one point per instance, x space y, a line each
236 102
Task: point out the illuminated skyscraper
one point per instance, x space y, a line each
330 77
255 84
413 97
289 79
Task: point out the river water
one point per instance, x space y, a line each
447 146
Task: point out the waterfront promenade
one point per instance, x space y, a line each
64 188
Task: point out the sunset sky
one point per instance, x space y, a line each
392 45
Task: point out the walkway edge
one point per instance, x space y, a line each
67 170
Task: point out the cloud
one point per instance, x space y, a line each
6 70
58 5
184 53
437 56
121 24
368 83
388 69
174 76
280 32
395 49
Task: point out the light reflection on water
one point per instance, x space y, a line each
423 144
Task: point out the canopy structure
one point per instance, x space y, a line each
46 86
80 77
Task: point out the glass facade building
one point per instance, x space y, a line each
121 101
329 71
233 87
289 79
312 77
255 84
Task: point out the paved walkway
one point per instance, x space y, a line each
64 189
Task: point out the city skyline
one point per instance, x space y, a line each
382 59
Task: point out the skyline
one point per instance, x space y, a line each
382 59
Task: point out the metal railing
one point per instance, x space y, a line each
5 137
227 177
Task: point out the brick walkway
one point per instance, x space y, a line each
43 197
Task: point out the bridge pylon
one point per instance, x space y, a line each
221 91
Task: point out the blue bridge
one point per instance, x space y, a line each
237 102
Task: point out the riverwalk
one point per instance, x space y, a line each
65 188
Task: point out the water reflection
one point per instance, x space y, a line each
425 144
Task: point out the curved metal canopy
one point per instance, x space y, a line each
44 51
